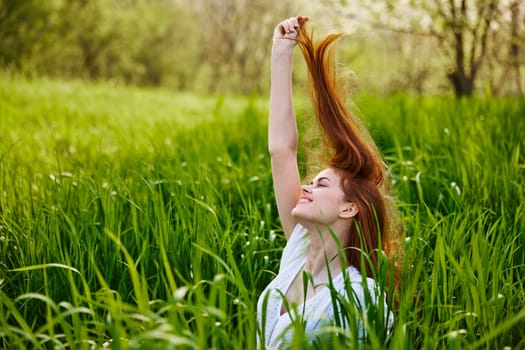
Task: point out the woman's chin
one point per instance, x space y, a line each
301 215
297 211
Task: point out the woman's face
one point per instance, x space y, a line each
322 201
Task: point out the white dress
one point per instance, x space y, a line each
318 310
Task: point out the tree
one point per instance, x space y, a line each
25 32
464 30
235 41
146 42
516 42
508 55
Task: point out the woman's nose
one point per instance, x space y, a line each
306 189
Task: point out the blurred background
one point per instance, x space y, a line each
455 47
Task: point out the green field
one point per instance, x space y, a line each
147 217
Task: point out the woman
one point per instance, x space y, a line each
330 222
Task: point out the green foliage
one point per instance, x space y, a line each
139 42
146 219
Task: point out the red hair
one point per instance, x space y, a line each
352 154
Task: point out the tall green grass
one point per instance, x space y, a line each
146 219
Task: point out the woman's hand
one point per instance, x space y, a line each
287 31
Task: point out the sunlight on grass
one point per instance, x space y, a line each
141 218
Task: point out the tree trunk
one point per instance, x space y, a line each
463 84
514 47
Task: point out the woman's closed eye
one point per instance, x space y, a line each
321 183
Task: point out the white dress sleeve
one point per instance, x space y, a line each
295 249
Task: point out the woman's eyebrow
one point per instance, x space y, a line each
321 179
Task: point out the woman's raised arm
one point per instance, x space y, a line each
282 130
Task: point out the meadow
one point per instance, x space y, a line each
145 219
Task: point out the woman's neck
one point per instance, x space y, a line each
325 250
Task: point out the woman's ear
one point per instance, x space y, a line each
348 210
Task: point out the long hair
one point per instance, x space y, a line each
353 155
